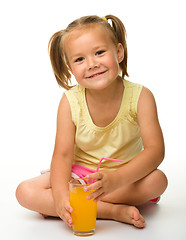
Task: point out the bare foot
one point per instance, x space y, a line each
128 214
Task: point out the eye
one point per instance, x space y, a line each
100 52
79 59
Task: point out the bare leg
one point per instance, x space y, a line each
36 195
135 194
120 212
140 192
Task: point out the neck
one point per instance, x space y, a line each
110 93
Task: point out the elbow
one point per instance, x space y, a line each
157 152
161 154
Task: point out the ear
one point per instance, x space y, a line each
120 52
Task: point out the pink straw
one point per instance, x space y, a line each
110 159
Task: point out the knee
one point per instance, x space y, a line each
24 194
160 180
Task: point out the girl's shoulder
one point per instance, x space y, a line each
74 89
75 94
75 97
132 92
131 85
146 98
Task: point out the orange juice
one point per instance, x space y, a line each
84 211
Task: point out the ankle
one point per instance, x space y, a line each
105 210
116 210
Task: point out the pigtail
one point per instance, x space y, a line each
120 34
58 62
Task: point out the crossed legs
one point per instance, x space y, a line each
35 194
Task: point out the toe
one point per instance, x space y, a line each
140 223
137 219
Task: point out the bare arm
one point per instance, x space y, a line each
152 155
145 162
62 159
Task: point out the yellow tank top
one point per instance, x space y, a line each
121 139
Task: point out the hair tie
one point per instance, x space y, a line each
104 18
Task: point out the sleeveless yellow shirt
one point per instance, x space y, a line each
121 139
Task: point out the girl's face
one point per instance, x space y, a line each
92 56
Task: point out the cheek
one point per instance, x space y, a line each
77 72
115 65
74 69
113 60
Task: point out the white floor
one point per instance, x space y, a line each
166 220
29 98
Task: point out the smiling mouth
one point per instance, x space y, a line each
96 74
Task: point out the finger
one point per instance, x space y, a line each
96 176
93 186
95 194
68 219
69 208
67 215
64 214
100 197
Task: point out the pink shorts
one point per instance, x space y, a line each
79 171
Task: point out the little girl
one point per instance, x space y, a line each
104 115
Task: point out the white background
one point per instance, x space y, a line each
29 94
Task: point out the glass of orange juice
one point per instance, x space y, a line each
84 211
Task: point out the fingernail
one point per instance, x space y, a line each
85 189
88 197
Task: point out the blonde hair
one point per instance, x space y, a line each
57 52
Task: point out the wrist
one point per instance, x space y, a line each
60 193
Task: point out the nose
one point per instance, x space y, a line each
92 63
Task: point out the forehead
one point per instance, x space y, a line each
96 33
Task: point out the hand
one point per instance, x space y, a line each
105 182
64 210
